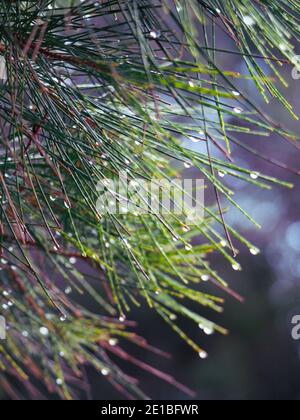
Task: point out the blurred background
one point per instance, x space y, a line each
259 359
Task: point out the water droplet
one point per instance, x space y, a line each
236 93
105 372
186 229
122 318
208 331
188 247
44 331
205 277
63 318
187 165
195 140
203 355
254 251
236 267
113 342
254 175
67 205
249 21
155 34
68 290
25 334
221 174
59 381
73 260
238 110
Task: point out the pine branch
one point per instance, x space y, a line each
98 89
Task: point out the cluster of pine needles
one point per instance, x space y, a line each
95 89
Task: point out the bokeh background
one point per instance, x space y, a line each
259 359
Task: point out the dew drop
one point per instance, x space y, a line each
187 165
236 267
238 110
205 277
249 21
59 381
203 355
44 331
155 34
105 372
254 251
186 229
208 331
254 175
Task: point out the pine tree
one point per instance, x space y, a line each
90 90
